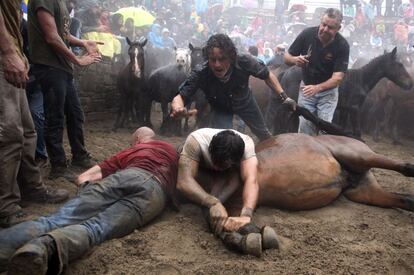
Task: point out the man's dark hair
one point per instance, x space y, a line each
224 43
226 149
253 50
334 14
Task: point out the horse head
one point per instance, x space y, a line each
136 56
196 55
395 70
183 59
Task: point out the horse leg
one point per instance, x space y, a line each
356 123
119 113
357 157
368 191
165 123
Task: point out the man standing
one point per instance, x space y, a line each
19 175
49 41
230 157
323 55
224 79
116 197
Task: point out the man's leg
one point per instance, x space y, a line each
305 126
221 120
145 200
11 146
75 120
253 117
327 102
93 198
35 100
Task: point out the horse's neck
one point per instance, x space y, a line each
371 74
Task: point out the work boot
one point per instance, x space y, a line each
61 171
33 258
13 219
84 161
48 195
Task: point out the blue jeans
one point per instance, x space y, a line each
110 208
35 100
322 104
60 100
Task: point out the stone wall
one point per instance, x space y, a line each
96 85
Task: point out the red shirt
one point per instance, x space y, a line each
157 157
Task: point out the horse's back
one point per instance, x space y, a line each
297 172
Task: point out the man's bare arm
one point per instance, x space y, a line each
248 171
334 81
51 35
92 174
187 184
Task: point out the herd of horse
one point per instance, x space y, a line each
325 166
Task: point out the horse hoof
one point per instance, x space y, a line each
269 238
253 244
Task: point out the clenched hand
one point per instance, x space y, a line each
218 217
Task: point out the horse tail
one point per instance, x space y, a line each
328 127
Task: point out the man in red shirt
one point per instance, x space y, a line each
116 196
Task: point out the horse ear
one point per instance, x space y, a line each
175 48
142 41
190 46
128 41
394 52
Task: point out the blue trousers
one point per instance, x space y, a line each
111 208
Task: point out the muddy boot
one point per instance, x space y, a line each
248 244
33 258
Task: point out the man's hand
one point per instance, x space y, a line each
92 46
218 217
88 59
291 103
234 223
15 69
177 107
301 61
310 90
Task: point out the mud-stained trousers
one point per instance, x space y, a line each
18 170
111 208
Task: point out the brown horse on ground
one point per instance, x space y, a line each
301 172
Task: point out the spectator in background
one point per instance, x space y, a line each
167 41
117 24
278 57
154 36
129 29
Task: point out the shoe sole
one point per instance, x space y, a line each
253 244
269 238
27 262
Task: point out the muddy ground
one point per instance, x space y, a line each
343 238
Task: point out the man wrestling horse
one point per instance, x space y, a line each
296 172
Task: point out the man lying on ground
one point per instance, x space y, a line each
116 196
231 156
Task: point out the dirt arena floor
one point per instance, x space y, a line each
343 238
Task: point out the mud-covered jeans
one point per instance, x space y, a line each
110 208
322 104
18 170
250 114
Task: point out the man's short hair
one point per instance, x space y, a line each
334 14
226 149
224 43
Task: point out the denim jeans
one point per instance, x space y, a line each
60 99
322 104
35 100
250 114
110 208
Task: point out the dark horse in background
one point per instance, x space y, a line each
353 90
130 83
162 86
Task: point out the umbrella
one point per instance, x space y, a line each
140 16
